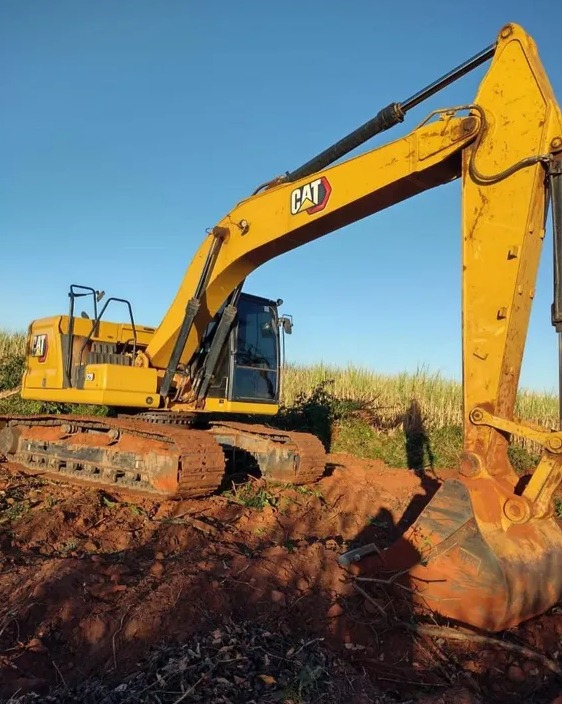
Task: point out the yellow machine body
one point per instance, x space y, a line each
104 383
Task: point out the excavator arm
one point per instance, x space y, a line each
487 550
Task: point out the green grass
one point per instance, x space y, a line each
409 419
251 496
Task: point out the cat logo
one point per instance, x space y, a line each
312 197
39 347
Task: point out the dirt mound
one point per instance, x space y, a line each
90 582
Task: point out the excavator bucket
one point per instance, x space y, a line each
464 559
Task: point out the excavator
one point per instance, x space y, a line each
486 550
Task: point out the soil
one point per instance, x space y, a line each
91 581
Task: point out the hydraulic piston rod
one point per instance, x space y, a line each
555 179
387 117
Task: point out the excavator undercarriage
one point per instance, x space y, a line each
159 459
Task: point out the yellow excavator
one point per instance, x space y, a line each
487 549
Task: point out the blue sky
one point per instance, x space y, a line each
130 127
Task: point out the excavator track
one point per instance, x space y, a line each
285 456
131 455
162 459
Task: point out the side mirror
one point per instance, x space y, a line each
84 315
287 324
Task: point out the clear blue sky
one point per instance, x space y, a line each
130 127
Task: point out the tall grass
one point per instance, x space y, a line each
12 344
439 399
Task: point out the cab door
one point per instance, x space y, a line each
255 372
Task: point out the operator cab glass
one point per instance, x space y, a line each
248 367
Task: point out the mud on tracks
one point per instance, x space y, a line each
90 581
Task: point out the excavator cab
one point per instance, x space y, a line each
247 369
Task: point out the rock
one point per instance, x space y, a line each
334 611
95 630
157 569
159 556
302 585
278 597
115 572
515 673
557 700
36 646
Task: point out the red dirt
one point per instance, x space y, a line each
89 581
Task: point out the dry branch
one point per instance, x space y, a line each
453 634
371 600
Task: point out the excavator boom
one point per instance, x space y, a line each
288 216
